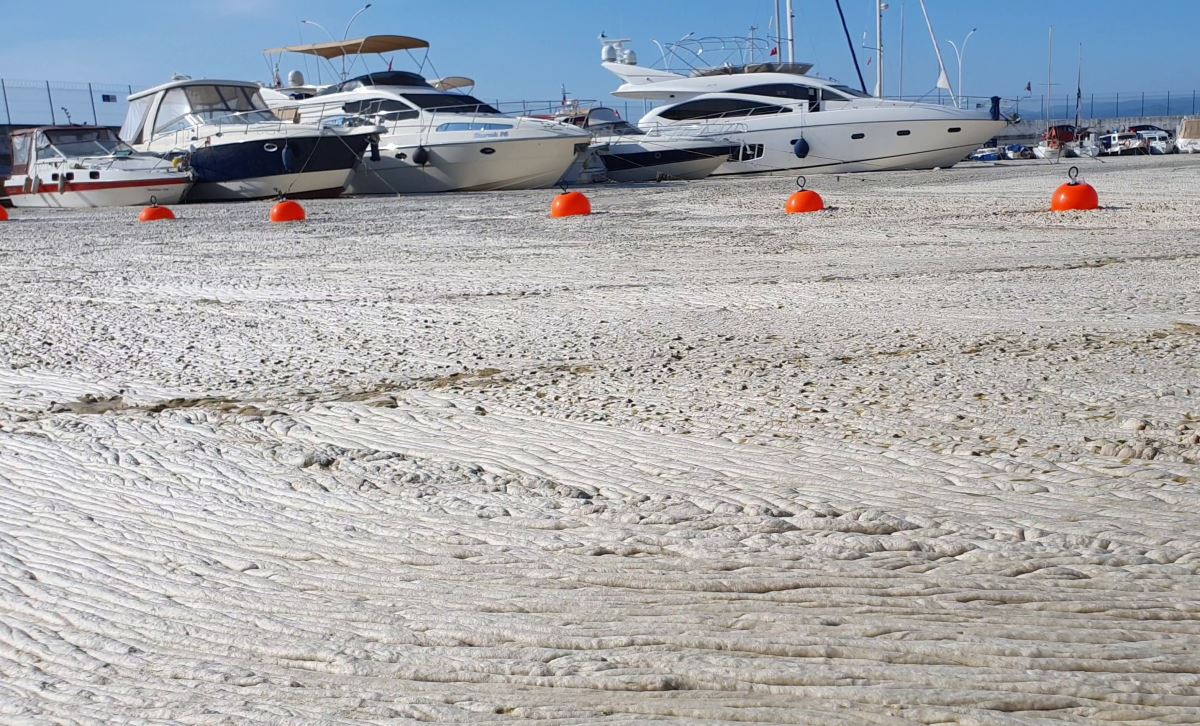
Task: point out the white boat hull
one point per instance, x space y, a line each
928 144
485 165
101 194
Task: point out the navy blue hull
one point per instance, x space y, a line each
269 157
643 159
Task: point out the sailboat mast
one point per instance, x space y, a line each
1079 87
778 33
900 92
879 5
1049 86
791 38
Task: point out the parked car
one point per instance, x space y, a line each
1138 128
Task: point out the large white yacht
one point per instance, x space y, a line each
786 120
434 139
236 147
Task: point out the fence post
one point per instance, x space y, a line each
4 91
50 98
92 98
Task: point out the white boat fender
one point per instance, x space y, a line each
374 147
801 148
421 156
36 186
62 183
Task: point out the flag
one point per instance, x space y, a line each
869 59
775 50
1029 87
389 64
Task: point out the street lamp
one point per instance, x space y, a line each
959 54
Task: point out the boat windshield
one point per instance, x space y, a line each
449 103
849 91
82 142
605 122
383 78
189 106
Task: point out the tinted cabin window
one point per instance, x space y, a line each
708 108
858 136
781 90
449 102
903 132
394 110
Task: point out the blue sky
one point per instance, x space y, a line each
527 48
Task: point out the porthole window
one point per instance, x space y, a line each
903 132
858 136
487 150
954 129
402 156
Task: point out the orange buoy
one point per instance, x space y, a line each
570 204
804 200
3 214
155 213
1074 196
287 211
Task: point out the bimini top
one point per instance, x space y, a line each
369 44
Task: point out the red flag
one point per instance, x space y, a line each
775 51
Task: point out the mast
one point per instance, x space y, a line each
778 33
900 92
1049 86
1079 88
791 38
880 6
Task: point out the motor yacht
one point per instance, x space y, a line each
88 166
787 120
434 138
236 147
623 152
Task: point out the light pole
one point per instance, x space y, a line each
346 33
960 54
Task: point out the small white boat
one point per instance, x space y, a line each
1159 142
88 166
1123 144
1015 152
1187 137
622 152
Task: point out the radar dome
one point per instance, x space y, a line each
608 54
295 78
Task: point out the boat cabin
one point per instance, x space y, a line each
43 143
184 103
601 121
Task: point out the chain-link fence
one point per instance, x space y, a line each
1090 105
56 102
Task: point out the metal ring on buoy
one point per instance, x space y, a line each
1073 174
270 148
801 182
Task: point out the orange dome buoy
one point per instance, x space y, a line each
287 211
804 200
570 204
1074 196
155 213
3 214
